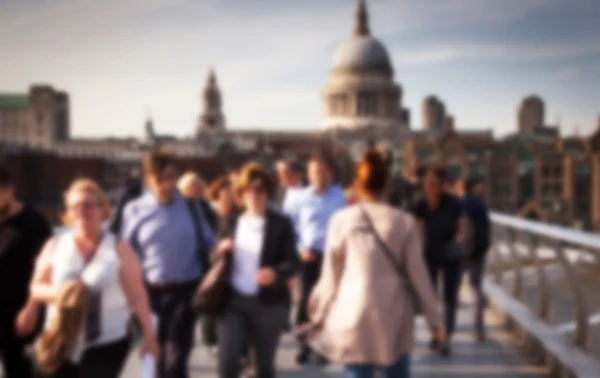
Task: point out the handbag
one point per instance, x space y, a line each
455 251
399 269
213 292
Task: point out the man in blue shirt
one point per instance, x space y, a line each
311 211
479 239
172 238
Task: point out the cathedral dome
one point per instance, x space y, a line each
362 53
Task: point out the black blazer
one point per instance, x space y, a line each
279 252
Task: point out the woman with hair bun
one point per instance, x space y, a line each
362 309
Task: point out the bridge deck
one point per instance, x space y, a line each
495 358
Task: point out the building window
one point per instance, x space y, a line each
558 171
40 118
545 171
366 104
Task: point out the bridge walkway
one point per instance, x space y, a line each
497 357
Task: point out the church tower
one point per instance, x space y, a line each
211 119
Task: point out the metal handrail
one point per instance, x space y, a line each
509 230
564 234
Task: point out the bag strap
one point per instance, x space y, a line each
387 251
390 255
200 241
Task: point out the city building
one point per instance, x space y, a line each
212 118
361 91
434 114
37 119
531 117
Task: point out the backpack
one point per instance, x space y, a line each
133 190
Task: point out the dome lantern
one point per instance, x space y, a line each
362 20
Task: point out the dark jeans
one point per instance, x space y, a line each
176 321
451 270
104 361
245 320
400 369
12 348
476 270
309 275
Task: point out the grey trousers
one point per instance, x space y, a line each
244 321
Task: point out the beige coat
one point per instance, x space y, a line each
362 303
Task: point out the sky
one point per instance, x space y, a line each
123 60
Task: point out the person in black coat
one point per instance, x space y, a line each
263 244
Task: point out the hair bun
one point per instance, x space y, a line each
372 173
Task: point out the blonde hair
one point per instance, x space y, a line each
191 185
53 346
85 185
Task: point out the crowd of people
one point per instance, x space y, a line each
363 262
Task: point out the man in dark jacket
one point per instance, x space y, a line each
23 232
479 220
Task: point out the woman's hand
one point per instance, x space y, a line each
26 320
265 277
225 246
150 346
307 256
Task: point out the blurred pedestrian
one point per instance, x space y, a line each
23 232
263 245
312 209
110 269
377 248
440 217
479 238
173 237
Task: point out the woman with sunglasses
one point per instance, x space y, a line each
112 272
263 245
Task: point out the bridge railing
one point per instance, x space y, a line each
526 260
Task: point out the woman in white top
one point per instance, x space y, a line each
110 269
263 244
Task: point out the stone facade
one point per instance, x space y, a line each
361 91
434 114
212 118
36 119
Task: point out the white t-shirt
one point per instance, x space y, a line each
248 242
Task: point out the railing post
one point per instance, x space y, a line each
499 260
582 313
518 287
544 299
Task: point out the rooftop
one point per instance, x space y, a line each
14 100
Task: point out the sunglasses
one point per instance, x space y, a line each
257 187
85 205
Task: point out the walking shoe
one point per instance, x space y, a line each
480 336
433 344
445 350
303 356
322 361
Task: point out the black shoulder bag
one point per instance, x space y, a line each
390 255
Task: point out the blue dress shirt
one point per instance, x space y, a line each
311 212
164 237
